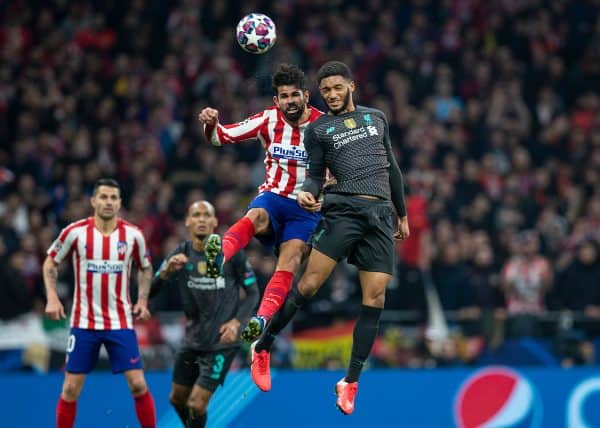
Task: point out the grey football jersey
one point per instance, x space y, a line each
356 148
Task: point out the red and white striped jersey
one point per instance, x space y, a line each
285 158
102 265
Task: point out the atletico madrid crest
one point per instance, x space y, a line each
121 247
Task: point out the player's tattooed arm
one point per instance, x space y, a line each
54 308
144 282
140 309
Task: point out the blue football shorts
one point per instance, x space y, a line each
83 348
288 220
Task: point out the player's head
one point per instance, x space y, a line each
201 219
106 198
336 86
291 92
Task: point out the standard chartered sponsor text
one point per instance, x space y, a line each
344 138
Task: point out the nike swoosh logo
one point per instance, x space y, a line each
134 360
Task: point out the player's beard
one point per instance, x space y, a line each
294 117
344 105
106 217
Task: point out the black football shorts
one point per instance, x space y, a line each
205 369
359 229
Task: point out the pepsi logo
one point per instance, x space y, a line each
497 397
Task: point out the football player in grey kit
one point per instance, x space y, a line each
214 312
357 215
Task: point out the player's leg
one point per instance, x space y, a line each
373 285
213 367
185 373
82 354
255 222
124 356
197 404
66 408
259 221
374 257
144 402
317 271
297 228
290 257
178 398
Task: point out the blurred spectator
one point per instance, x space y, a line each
526 277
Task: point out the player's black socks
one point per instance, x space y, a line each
363 337
182 412
195 420
294 301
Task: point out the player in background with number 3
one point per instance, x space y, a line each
101 248
214 312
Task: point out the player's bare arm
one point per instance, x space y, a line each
175 263
209 116
54 308
140 310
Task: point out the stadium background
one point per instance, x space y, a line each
494 113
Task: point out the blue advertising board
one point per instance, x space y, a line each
491 396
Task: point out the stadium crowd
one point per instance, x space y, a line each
494 111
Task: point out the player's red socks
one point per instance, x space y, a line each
65 413
144 409
275 293
237 237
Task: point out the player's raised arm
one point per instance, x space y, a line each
219 134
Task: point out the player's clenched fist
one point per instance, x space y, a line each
209 116
176 262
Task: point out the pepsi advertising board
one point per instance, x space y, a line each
489 397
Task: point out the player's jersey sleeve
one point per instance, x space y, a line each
64 244
248 129
316 162
396 179
141 253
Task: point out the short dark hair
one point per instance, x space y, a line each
110 182
289 74
334 68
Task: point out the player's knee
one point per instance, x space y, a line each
309 284
375 298
259 218
71 390
290 262
137 386
198 404
177 400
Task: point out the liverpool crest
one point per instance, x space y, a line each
350 123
